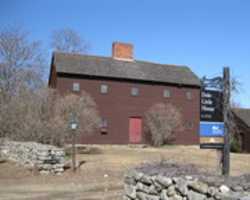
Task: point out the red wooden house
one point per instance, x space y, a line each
125 88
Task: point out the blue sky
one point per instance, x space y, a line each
205 35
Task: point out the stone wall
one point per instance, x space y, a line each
140 186
45 158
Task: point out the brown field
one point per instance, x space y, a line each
100 177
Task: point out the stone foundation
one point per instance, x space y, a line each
45 158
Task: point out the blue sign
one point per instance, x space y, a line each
211 129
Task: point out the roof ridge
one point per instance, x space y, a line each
124 61
171 65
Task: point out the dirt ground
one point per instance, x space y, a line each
101 176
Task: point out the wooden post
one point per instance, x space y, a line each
226 107
73 151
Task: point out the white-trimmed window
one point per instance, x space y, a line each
134 91
189 125
104 126
104 89
166 93
104 123
189 95
76 87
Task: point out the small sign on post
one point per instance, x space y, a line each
211 125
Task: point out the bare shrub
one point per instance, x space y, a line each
43 116
161 121
83 108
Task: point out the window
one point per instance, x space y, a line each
189 95
189 125
166 93
104 126
104 89
76 87
104 123
134 91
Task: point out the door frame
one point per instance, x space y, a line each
141 134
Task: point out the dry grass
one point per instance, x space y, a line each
102 174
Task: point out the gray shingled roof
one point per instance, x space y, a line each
134 70
243 114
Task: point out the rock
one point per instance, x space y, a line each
196 196
228 196
224 189
175 197
189 178
181 186
175 179
130 191
163 195
152 190
246 187
212 191
134 174
129 180
245 198
143 196
125 197
164 181
57 170
217 196
171 191
237 188
146 179
199 187
142 188
158 186
44 172
58 173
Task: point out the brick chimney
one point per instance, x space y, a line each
122 51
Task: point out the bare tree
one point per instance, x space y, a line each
21 62
68 40
161 121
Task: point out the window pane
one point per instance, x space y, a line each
104 89
134 91
189 125
104 126
166 93
104 123
76 87
189 95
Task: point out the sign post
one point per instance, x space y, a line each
73 127
214 125
226 107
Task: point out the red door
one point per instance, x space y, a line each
135 130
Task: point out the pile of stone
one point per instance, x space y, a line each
45 158
141 186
